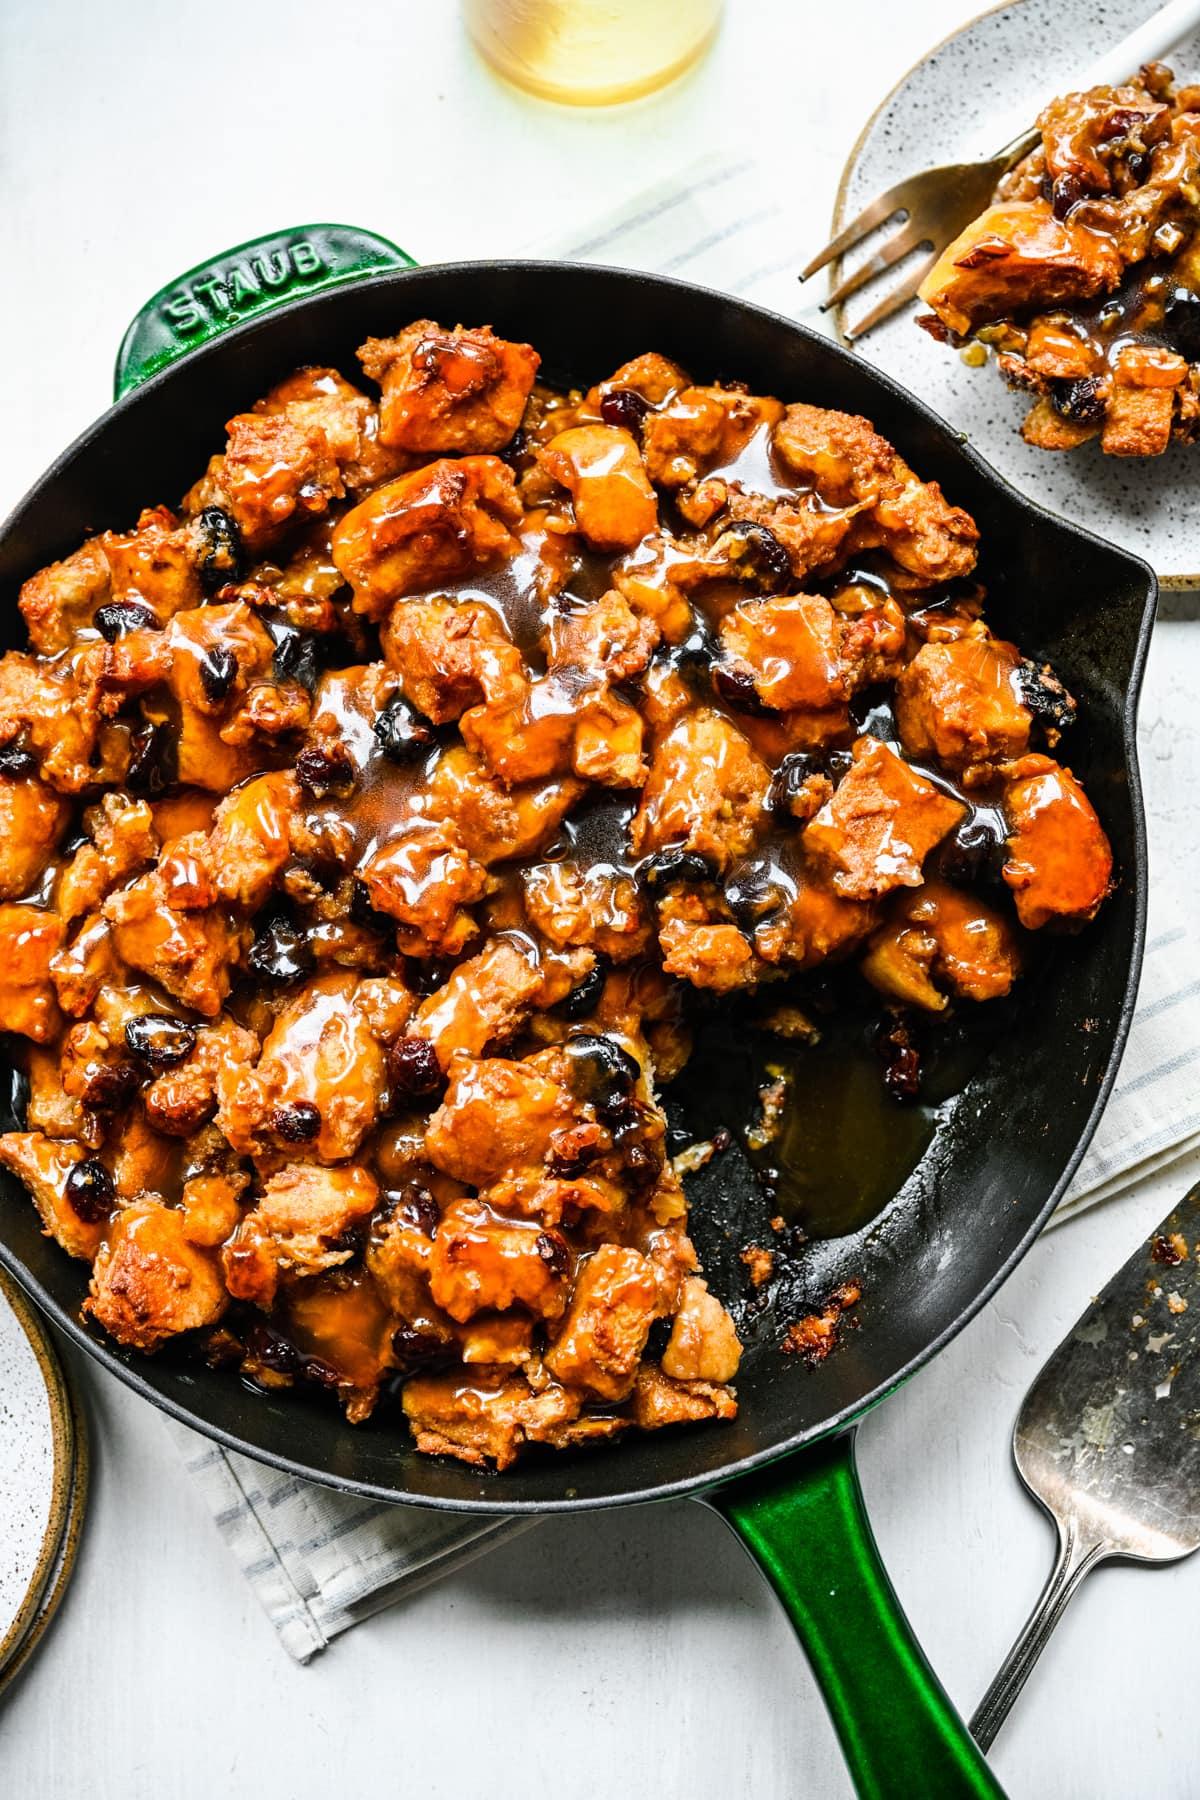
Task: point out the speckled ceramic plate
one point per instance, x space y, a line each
939 113
42 1486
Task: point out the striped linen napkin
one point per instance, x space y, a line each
319 1561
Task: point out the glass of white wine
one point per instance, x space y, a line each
592 52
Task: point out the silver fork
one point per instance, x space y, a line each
935 205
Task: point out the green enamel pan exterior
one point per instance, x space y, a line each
782 1475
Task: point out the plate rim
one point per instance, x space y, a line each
1176 583
67 1553
65 1448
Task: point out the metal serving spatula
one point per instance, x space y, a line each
1108 1437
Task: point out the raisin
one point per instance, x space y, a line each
296 657
755 891
674 865
572 1151
15 762
603 1074
584 998
414 1072
736 687
624 408
109 1087
975 854
412 1347
218 672
269 1349
280 951
112 622
220 551
366 915
415 1204
159 1039
698 651
297 1122
1080 400
323 769
788 781
1066 191
901 1061
152 765
1045 696
756 555
552 1248
1181 322
402 733
91 1191
323 1373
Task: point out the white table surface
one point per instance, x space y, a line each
636 1653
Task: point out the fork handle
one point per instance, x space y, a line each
1076 1557
1150 40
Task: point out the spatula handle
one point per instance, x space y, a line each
1076 1556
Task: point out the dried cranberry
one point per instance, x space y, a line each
15 762
91 1191
112 622
584 998
756 555
414 1072
722 1138
280 952
674 865
297 1122
1080 400
152 765
220 550
159 1039
552 1248
323 769
403 734
736 687
218 671
624 408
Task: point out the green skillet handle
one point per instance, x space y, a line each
243 284
804 1522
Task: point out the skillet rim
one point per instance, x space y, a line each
848 1416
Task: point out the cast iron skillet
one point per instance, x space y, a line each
991 1178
